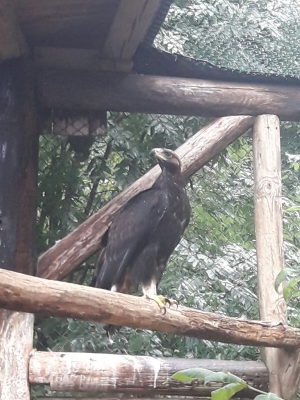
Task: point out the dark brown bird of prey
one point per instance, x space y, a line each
144 233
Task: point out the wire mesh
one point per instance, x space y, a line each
214 266
249 36
212 269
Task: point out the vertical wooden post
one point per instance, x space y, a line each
269 244
18 182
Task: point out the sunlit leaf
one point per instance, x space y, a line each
191 374
206 376
280 278
290 288
293 208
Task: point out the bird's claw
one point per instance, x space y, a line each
171 302
162 302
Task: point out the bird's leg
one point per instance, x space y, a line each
161 301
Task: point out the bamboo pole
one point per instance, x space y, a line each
284 372
72 250
138 375
61 299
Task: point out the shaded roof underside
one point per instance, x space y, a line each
111 27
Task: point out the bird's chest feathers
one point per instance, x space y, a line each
175 215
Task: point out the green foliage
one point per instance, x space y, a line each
206 376
233 384
214 266
290 280
261 36
217 247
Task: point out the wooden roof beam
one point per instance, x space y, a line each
47 10
78 59
165 95
131 22
12 41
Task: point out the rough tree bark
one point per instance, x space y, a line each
18 177
138 375
165 95
12 41
284 367
69 252
61 299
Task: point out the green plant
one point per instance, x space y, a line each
232 383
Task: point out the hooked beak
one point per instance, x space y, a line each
157 153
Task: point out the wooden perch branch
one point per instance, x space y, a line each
165 95
68 253
135 374
51 298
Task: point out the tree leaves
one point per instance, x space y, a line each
205 376
234 384
248 36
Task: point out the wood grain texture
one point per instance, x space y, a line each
165 95
123 398
78 59
16 333
18 183
129 27
18 167
268 215
138 375
82 24
12 41
47 10
61 299
68 253
284 371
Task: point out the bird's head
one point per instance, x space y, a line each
167 159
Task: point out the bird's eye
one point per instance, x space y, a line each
168 154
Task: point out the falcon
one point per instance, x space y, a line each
144 233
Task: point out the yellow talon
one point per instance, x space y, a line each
161 301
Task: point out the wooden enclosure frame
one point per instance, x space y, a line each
62 299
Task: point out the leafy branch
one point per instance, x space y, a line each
233 384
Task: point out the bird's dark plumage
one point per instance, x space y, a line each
145 232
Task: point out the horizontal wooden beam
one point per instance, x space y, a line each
49 10
123 398
113 373
60 299
118 398
79 59
69 252
165 95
